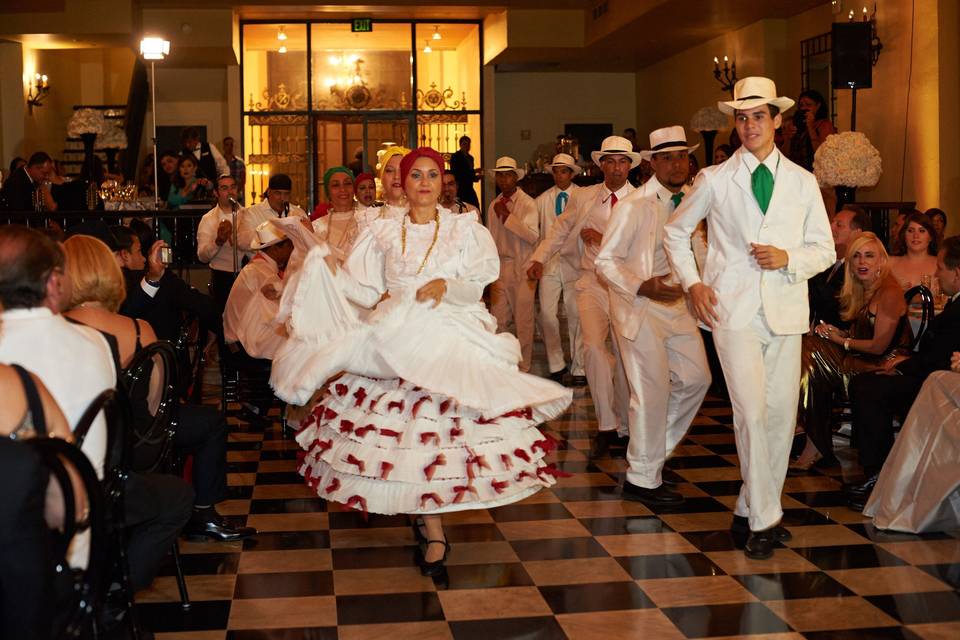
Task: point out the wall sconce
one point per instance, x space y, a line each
37 92
866 16
727 76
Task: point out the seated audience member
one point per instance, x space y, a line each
365 189
17 193
249 317
824 288
97 289
872 304
721 154
878 397
16 163
215 241
157 295
918 490
186 186
33 289
210 162
276 204
939 220
450 200
918 258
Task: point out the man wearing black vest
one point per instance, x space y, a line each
210 162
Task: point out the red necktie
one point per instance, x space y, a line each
613 200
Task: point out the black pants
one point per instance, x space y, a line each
876 399
220 284
202 433
156 508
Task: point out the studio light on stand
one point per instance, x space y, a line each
154 49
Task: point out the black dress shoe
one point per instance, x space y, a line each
857 503
437 567
760 545
662 496
600 446
741 525
578 381
862 490
558 376
207 523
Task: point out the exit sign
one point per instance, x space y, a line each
362 25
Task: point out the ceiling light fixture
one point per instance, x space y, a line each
282 49
436 33
427 48
281 34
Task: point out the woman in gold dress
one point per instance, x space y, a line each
872 301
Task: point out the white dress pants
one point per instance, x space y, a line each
666 367
605 376
551 286
512 303
762 371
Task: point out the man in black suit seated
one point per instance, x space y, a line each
825 287
157 295
18 190
878 397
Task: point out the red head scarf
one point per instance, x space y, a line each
422 152
360 178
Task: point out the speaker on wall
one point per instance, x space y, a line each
852 55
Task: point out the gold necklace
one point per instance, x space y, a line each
403 238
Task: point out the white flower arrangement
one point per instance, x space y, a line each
709 119
847 160
86 121
112 138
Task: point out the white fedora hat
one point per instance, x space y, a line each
565 160
667 139
752 92
268 234
616 146
506 163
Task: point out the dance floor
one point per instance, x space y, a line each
574 561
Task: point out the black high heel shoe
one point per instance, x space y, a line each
437 567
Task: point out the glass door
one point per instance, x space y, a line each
353 141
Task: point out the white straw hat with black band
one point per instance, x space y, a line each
667 139
616 146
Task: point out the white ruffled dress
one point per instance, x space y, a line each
430 413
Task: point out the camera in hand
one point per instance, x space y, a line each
800 119
166 255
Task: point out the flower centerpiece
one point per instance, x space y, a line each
85 121
708 121
846 161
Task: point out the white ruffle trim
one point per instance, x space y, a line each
387 446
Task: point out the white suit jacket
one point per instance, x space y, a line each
576 217
517 237
796 222
568 258
627 255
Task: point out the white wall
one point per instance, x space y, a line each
545 102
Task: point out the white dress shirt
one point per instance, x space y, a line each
219 257
249 316
517 236
567 260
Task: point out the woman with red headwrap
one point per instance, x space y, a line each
365 190
429 414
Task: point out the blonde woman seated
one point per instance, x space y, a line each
872 301
919 486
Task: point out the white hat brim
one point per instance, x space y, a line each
575 168
256 246
520 172
635 157
783 103
649 153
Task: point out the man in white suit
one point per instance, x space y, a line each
768 234
662 352
560 275
586 220
515 226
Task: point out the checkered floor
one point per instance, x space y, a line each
571 562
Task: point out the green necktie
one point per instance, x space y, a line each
761 181
676 198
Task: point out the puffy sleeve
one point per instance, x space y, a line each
362 278
479 264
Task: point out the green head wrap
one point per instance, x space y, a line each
329 173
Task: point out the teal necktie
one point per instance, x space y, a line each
761 181
676 198
561 203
